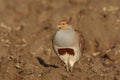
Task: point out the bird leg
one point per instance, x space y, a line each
67 67
71 63
71 69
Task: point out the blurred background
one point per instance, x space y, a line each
27 28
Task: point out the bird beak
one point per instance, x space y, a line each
59 26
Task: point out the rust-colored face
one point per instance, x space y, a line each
63 51
63 25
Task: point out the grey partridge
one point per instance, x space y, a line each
68 44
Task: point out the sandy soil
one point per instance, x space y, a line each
27 27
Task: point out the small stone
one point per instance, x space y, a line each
107 63
108 50
95 53
104 9
118 20
18 66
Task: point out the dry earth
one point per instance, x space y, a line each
27 27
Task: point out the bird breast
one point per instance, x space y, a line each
65 38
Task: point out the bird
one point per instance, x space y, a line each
68 44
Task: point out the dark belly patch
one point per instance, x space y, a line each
63 51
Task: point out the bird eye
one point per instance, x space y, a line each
63 23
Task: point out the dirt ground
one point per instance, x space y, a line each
27 27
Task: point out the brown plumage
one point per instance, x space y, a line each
63 51
81 40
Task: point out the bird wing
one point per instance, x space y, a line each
81 40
